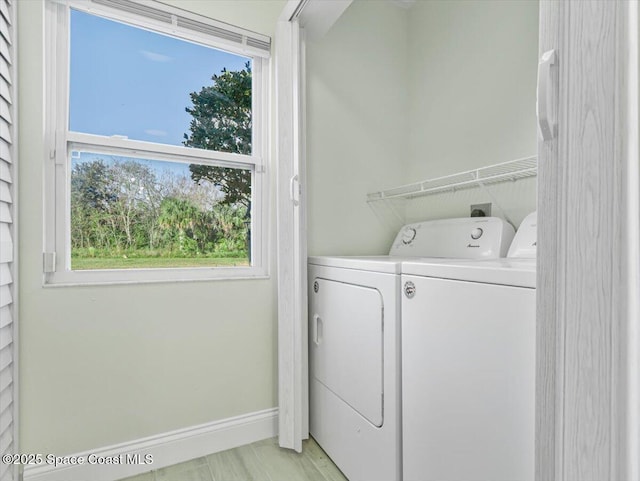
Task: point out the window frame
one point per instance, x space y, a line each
60 142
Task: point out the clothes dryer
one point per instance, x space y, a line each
468 366
354 347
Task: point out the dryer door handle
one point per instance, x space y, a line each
317 329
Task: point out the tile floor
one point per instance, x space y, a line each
260 461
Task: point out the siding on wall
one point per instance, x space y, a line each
8 441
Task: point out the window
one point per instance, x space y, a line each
156 125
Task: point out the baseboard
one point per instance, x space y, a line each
167 449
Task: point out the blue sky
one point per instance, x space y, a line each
133 82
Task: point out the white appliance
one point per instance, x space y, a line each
468 366
354 346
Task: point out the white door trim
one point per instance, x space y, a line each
633 244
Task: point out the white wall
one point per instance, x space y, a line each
472 85
400 95
104 365
356 126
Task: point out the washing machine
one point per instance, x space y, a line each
354 345
468 366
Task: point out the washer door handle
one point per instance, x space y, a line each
317 329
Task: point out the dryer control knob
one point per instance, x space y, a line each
408 235
476 233
409 289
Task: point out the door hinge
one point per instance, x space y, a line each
49 261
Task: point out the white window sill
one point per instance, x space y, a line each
152 276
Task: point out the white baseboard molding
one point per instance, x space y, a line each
167 449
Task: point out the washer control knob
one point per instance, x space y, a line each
476 233
408 235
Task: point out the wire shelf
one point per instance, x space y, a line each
491 174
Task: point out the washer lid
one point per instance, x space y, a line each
524 244
383 264
510 272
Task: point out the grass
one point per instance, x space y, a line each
88 263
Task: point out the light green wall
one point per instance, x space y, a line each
257 15
399 95
356 126
104 365
472 86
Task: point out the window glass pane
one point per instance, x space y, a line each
145 213
143 85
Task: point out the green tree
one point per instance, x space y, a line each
91 196
134 212
178 218
90 184
222 121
